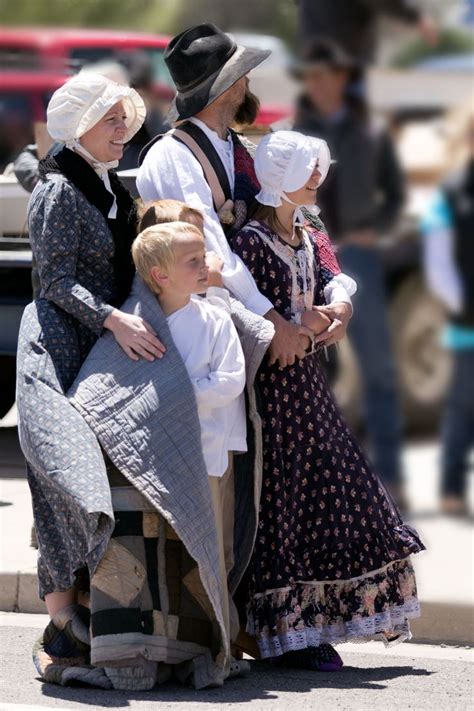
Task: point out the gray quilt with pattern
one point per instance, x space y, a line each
145 418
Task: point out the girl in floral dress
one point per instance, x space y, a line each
331 561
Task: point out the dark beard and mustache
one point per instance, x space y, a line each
248 110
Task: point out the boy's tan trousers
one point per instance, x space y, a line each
222 492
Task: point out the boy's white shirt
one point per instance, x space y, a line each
170 170
209 345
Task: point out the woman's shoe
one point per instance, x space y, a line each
323 658
237 668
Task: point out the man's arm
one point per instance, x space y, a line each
171 171
26 168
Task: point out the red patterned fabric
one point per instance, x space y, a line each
326 251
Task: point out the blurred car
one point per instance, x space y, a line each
68 50
35 62
23 100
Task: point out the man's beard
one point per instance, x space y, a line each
248 109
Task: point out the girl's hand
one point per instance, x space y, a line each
215 265
316 321
134 335
340 314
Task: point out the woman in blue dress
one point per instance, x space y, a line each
82 222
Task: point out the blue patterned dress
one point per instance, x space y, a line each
75 251
331 558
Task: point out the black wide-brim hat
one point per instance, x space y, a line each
323 52
204 62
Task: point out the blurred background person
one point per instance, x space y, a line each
360 202
141 77
448 241
353 24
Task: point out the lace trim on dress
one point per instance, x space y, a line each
394 621
301 265
311 613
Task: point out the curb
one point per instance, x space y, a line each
444 623
19 592
440 622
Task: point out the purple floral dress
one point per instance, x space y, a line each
331 559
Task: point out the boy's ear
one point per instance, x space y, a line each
159 276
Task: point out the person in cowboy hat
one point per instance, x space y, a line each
360 201
210 72
353 25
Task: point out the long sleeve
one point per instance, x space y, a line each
25 168
439 263
226 379
171 171
390 185
55 232
337 286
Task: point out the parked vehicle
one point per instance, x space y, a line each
416 316
67 50
36 62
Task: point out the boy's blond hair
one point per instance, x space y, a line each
156 247
162 211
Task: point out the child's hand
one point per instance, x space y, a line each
339 314
215 265
316 321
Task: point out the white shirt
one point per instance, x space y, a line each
171 171
209 345
439 260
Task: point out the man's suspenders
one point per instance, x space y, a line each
202 149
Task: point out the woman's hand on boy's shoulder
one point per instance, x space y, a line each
135 336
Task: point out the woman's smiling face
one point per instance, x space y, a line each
105 140
307 194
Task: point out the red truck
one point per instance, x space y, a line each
35 62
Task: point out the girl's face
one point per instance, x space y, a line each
307 194
105 140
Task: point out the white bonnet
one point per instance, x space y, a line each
284 161
83 100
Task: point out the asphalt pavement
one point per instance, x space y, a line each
417 677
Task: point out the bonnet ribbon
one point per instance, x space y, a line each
101 168
299 219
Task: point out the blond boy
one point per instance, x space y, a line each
171 259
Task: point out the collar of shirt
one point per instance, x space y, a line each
225 149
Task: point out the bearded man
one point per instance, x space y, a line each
210 72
